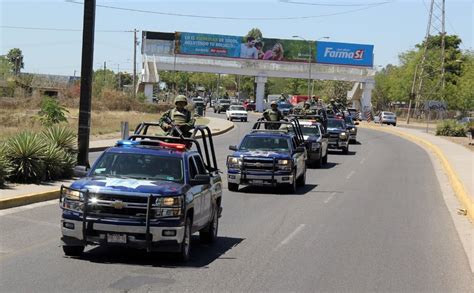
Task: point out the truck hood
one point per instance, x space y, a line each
335 130
100 184
266 154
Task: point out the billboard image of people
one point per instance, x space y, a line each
242 47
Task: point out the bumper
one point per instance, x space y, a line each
388 121
96 232
353 136
238 116
259 179
338 144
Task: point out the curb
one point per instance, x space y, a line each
456 184
22 200
28 199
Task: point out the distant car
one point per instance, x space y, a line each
388 118
285 108
351 127
221 105
466 120
249 106
236 112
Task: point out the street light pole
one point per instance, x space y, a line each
310 88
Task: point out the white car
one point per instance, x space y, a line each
388 118
236 112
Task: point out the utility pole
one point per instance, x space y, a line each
86 83
436 20
134 61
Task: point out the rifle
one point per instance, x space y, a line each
174 127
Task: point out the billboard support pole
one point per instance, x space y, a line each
260 92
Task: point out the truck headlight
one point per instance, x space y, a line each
72 194
234 162
314 146
283 162
352 130
343 135
175 201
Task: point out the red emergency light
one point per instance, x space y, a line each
176 146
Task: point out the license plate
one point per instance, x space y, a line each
257 181
116 238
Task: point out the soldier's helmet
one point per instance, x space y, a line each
307 103
180 98
273 103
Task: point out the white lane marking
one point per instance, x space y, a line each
330 197
350 175
362 161
28 207
291 236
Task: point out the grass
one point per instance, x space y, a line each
104 124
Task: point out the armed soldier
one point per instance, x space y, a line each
178 117
307 109
273 114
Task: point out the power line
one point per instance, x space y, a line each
59 29
368 6
334 4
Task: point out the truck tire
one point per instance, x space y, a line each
233 186
209 234
302 180
319 162
73 250
345 150
185 251
293 186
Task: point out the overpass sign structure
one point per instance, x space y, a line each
329 61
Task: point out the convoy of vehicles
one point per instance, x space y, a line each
147 192
153 192
236 112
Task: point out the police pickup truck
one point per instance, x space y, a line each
269 157
338 135
147 192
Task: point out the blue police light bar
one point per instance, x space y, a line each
127 143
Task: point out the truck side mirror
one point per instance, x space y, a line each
300 149
200 179
233 147
356 123
80 171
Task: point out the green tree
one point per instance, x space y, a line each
256 33
15 58
103 79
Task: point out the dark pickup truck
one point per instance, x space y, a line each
269 157
338 135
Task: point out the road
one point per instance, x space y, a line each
373 220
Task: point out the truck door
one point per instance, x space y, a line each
196 192
206 198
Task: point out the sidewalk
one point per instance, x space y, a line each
22 194
458 164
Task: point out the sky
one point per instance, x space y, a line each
54 45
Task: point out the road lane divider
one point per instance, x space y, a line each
466 200
290 236
350 174
330 197
362 161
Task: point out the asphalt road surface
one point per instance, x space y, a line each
372 220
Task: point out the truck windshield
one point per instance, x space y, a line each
312 130
254 143
237 108
139 166
336 123
224 101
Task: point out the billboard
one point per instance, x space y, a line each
344 54
272 49
241 47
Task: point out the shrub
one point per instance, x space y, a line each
450 128
5 168
54 161
62 136
25 152
52 112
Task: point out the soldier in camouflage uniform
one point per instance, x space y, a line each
307 109
180 116
273 114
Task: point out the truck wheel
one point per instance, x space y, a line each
293 187
302 180
185 252
215 110
345 150
73 250
245 119
325 159
319 162
233 186
209 234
